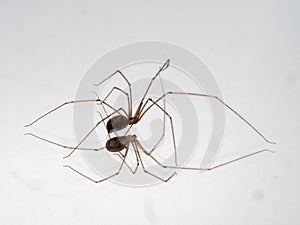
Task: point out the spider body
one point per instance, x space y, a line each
117 123
120 122
117 144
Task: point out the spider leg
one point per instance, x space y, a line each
164 67
172 129
127 96
91 132
164 126
164 120
145 170
102 118
107 113
141 105
126 80
196 168
213 97
106 178
121 156
61 145
67 103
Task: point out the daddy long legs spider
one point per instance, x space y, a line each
118 121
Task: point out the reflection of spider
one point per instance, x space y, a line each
117 144
117 121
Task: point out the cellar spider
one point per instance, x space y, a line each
120 122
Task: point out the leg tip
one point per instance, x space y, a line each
272 151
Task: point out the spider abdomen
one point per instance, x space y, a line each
117 123
117 144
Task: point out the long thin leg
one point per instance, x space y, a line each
67 103
164 110
121 156
164 126
101 114
105 114
106 178
102 119
163 91
129 85
146 171
125 93
61 145
172 128
100 103
195 168
209 96
90 133
141 105
133 124
164 67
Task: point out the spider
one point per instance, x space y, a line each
117 121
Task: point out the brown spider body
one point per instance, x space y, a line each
117 144
117 123
120 122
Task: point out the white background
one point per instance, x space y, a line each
252 47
